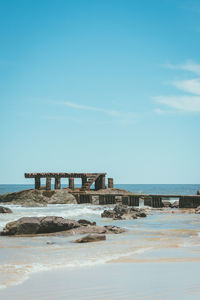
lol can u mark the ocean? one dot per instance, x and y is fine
(176, 189)
(163, 241)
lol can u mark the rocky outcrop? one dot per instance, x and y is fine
(39, 197)
(91, 238)
(37, 225)
(57, 225)
(5, 210)
(121, 212)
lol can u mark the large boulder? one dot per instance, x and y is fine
(41, 197)
(56, 226)
(37, 225)
(91, 238)
(5, 210)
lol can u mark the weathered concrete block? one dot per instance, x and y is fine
(85, 198)
(95, 199)
(125, 200)
(134, 200)
(189, 202)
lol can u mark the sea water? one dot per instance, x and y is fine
(176, 189)
(161, 237)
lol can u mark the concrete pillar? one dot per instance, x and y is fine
(48, 183)
(100, 183)
(110, 183)
(57, 183)
(84, 180)
(157, 202)
(96, 184)
(103, 182)
(37, 182)
(71, 183)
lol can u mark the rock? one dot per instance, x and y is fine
(107, 214)
(142, 214)
(198, 192)
(166, 203)
(5, 210)
(121, 212)
(86, 222)
(114, 229)
(56, 226)
(91, 238)
(197, 210)
(50, 243)
(37, 225)
(87, 230)
(175, 204)
(95, 199)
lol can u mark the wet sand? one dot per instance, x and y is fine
(125, 281)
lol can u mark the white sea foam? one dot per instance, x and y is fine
(20, 273)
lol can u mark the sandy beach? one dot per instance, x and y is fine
(156, 258)
(132, 281)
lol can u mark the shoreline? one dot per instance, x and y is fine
(112, 281)
(161, 239)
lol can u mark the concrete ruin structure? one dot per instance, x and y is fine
(88, 179)
(155, 201)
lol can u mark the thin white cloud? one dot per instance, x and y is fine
(189, 101)
(190, 86)
(190, 66)
(60, 118)
(181, 103)
(159, 111)
(90, 108)
(122, 117)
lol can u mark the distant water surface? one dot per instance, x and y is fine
(180, 189)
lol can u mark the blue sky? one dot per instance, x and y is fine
(100, 86)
